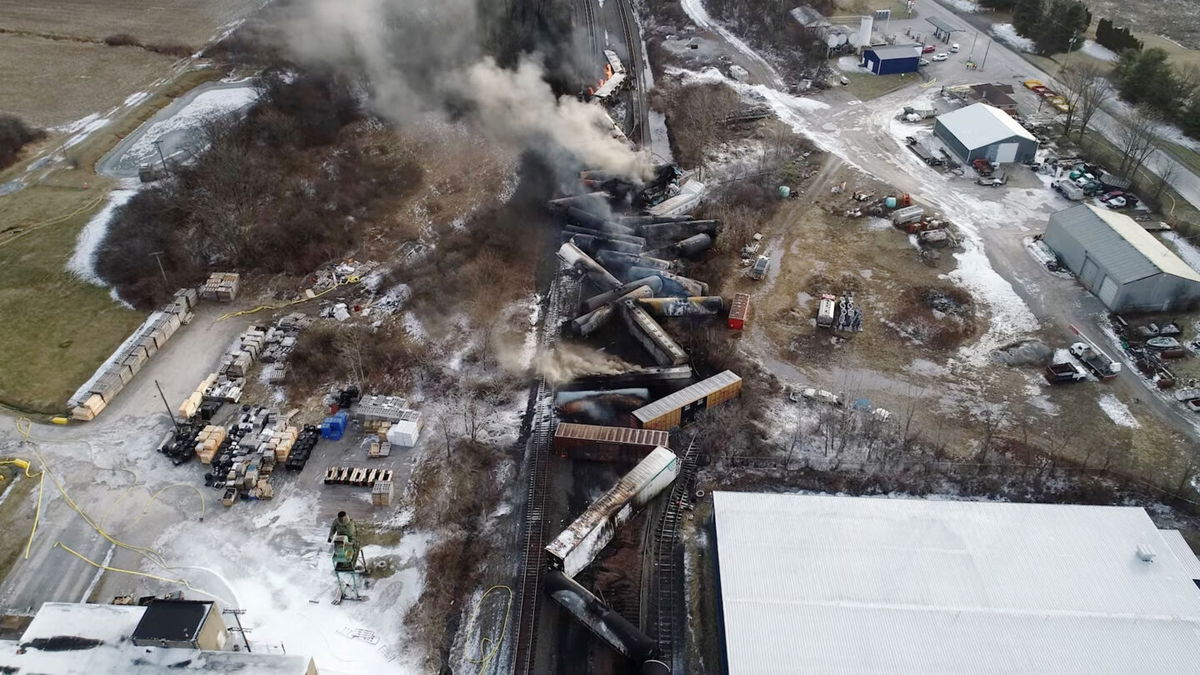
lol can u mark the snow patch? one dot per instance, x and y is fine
(136, 98)
(966, 6)
(96, 122)
(1005, 32)
(1184, 249)
(850, 64)
(207, 104)
(83, 261)
(1118, 412)
(1098, 51)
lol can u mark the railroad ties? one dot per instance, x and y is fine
(668, 619)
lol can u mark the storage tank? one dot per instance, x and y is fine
(692, 245)
(863, 37)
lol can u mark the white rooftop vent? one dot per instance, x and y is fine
(1145, 553)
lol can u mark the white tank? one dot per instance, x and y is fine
(863, 38)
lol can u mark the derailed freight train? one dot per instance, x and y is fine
(609, 626)
(575, 547)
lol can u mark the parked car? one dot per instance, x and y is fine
(1116, 203)
(928, 49)
(1193, 404)
(922, 62)
(1104, 198)
(954, 48)
(941, 56)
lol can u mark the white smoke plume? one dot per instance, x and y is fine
(566, 362)
(417, 55)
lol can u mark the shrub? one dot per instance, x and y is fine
(14, 134)
(122, 40)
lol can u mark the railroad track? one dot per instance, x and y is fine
(589, 15)
(641, 112)
(562, 292)
(666, 627)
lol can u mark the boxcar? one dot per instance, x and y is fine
(606, 444)
(682, 407)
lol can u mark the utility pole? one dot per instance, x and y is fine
(971, 57)
(158, 258)
(170, 414)
(158, 146)
(237, 617)
(985, 55)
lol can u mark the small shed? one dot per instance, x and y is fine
(981, 131)
(1118, 260)
(892, 60)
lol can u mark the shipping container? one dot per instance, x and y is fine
(739, 311)
(575, 547)
(607, 444)
(682, 407)
(645, 330)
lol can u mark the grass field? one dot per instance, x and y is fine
(16, 515)
(866, 86)
(57, 329)
(191, 22)
(53, 82)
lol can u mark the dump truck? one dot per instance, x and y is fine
(1069, 190)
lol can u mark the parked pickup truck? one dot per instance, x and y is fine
(1096, 361)
(1069, 190)
(1063, 373)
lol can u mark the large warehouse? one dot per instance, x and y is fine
(1119, 261)
(980, 131)
(820, 585)
(892, 60)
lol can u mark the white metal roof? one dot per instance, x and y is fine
(818, 584)
(979, 125)
(689, 394)
(111, 625)
(1123, 247)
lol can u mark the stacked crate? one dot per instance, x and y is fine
(221, 287)
(208, 441)
(188, 408)
(282, 442)
(382, 493)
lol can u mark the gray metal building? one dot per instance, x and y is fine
(981, 131)
(1120, 262)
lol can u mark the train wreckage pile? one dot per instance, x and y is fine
(633, 260)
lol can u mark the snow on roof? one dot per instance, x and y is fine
(112, 625)
(808, 17)
(979, 125)
(820, 584)
(1125, 250)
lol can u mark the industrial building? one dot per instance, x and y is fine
(165, 636)
(892, 60)
(1118, 260)
(820, 584)
(980, 131)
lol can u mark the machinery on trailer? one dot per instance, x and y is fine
(350, 569)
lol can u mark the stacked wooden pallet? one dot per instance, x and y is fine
(221, 286)
(281, 442)
(357, 476)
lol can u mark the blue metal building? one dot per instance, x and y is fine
(892, 60)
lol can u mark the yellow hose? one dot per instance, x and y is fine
(53, 221)
(284, 304)
(484, 661)
(106, 568)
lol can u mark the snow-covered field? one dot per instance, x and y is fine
(968, 6)
(699, 15)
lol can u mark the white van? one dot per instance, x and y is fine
(954, 48)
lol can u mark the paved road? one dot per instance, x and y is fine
(1002, 62)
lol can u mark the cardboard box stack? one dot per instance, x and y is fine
(208, 441)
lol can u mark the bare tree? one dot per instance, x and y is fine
(1094, 89)
(1135, 139)
(470, 409)
(1085, 88)
(1165, 176)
